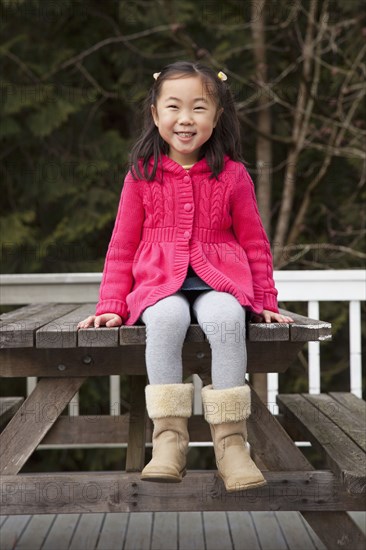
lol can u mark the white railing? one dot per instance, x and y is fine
(312, 287)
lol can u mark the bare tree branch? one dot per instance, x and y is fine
(285, 254)
(263, 145)
(106, 42)
(298, 137)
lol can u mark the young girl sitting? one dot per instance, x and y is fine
(188, 243)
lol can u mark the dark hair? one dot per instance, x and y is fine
(225, 138)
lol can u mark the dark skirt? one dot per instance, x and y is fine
(192, 287)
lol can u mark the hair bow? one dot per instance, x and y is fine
(222, 76)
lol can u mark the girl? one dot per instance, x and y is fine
(188, 243)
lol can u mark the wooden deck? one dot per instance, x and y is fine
(162, 531)
(159, 530)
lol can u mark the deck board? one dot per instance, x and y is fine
(61, 532)
(87, 532)
(139, 531)
(190, 536)
(217, 533)
(113, 532)
(269, 532)
(12, 530)
(35, 533)
(314, 537)
(291, 527)
(165, 531)
(242, 529)
(162, 530)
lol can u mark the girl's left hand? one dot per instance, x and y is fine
(271, 317)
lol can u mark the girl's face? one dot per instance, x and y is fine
(185, 115)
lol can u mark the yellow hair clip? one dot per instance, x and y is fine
(222, 76)
(156, 75)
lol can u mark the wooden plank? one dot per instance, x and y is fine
(2, 521)
(105, 429)
(312, 534)
(35, 532)
(135, 458)
(343, 456)
(278, 459)
(356, 405)
(8, 407)
(131, 361)
(139, 532)
(132, 335)
(99, 492)
(304, 329)
(87, 532)
(62, 332)
(259, 383)
(272, 356)
(190, 531)
(336, 530)
(12, 530)
(257, 332)
(294, 531)
(33, 420)
(271, 442)
(61, 532)
(113, 531)
(88, 430)
(268, 531)
(353, 426)
(360, 519)
(21, 313)
(102, 337)
(243, 531)
(216, 530)
(76, 362)
(20, 333)
(268, 332)
(164, 531)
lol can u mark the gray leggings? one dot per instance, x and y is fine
(222, 319)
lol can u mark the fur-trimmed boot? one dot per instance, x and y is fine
(169, 406)
(226, 412)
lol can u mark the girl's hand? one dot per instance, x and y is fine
(271, 317)
(107, 319)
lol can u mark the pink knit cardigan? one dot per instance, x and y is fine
(184, 217)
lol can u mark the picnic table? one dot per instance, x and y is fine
(42, 340)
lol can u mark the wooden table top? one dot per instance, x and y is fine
(45, 325)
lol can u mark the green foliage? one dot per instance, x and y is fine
(75, 75)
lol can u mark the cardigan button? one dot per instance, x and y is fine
(186, 234)
(186, 179)
(188, 207)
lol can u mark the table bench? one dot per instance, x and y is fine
(42, 340)
(335, 424)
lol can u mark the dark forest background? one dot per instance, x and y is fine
(74, 75)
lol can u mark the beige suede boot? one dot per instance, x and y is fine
(169, 406)
(226, 411)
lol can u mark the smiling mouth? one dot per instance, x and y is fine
(185, 134)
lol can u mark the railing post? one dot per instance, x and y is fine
(272, 385)
(314, 352)
(355, 347)
(115, 395)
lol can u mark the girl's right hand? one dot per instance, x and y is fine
(107, 319)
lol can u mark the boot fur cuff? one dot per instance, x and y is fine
(228, 405)
(163, 400)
